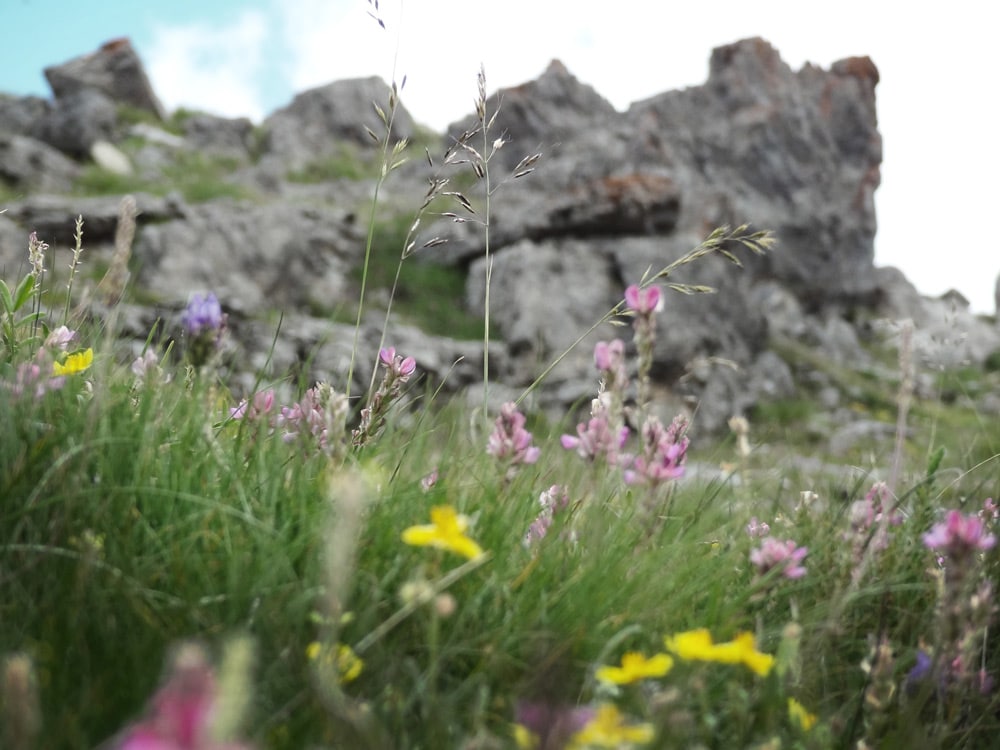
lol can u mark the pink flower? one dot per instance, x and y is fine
(959, 536)
(643, 301)
(509, 440)
(60, 338)
(262, 403)
(179, 716)
(758, 529)
(664, 452)
(596, 438)
(400, 368)
(774, 553)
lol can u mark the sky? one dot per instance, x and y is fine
(250, 57)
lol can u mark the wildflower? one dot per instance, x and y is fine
(664, 452)
(635, 667)
(609, 358)
(145, 365)
(74, 363)
(799, 716)
(321, 416)
(36, 257)
(203, 313)
(60, 338)
(349, 665)
(398, 372)
(28, 378)
(509, 441)
(920, 671)
(959, 536)
(552, 500)
(697, 645)
(261, 404)
(757, 529)
(643, 301)
(204, 324)
(774, 553)
(540, 726)
(607, 728)
(429, 481)
(180, 715)
(400, 368)
(445, 531)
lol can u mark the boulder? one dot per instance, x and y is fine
(231, 138)
(78, 121)
(18, 114)
(538, 116)
(28, 166)
(320, 121)
(258, 258)
(114, 70)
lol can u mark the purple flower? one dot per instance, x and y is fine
(552, 726)
(596, 438)
(60, 338)
(774, 553)
(202, 314)
(959, 536)
(643, 301)
(509, 441)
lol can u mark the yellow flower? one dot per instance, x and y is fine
(348, 663)
(445, 531)
(635, 667)
(697, 645)
(74, 363)
(607, 729)
(524, 738)
(799, 716)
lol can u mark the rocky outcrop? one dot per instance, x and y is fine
(613, 197)
(318, 122)
(114, 70)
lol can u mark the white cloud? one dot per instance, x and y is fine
(210, 68)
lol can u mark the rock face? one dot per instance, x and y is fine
(614, 197)
(114, 70)
(320, 120)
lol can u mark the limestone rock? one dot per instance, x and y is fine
(78, 121)
(29, 165)
(255, 258)
(18, 114)
(114, 70)
(320, 120)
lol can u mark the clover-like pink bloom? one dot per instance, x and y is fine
(664, 452)
(509, 440)
(774, 553)
(959, 536)
(400, 367)
(644, 301)
(262, 403)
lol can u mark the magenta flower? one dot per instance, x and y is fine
(958, 537)
(179, 716)
(509, 441)
(774, 553)
(643, 301)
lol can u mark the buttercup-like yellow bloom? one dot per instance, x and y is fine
(74, 363)
(635, 667)
(697, 645)
(799, 716)
(348, 663)
(608, 729)
(445, 531)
